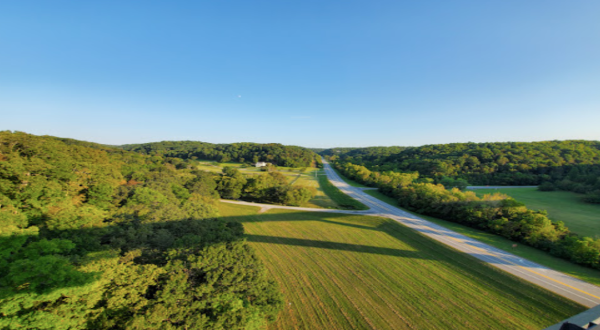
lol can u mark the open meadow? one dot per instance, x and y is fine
(340, 271)
(581, 218)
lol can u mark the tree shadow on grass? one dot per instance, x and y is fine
(310, 243)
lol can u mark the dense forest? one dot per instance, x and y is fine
(567, 165)
(95, 237)
(289, 156)
(495, 213)
(369, 156)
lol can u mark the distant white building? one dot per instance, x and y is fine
(260, 164)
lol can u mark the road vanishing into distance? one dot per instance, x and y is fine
(557, 282)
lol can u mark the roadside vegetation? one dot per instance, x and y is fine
(581, 218)
(344, 201)
(340, 271)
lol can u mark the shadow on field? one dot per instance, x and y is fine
(306, 216)
(360, 222)
(334, 246)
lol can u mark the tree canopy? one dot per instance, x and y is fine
(96, 237)
(290, 156)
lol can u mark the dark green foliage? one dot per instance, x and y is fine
(592, 197)
(569, 165)
(290, 156)
(496, 213)
(94, 237)
(370, 156)
(450, 183)
(547, 186)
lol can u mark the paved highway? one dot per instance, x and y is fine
(562, 284)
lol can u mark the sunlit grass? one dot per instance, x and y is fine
(341, 271)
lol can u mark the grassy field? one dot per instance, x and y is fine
(535, 255)
(343, 200)
(341, 271)
(581, 218)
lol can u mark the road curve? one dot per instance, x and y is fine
(562, 284)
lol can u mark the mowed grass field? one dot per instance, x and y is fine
(341, 271)
(301, 176)
(581, 218)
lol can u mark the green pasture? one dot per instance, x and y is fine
(340, 271)
(535, 255)
(581, 218)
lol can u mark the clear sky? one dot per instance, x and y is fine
(314, 73)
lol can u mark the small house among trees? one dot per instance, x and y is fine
(260, 164)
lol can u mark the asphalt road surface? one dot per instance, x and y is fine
(562, 284)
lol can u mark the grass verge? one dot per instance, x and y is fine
(343, 200)
(340, 271)
(348, 181)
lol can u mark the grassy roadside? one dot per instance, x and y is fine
(535, 255)
(343, 200)
(581, 218)
(341, 271)
(348, 181)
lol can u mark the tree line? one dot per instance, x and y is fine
(495, 213)
(567, 165)
(288, 156)
(96, 237)
(582, 179)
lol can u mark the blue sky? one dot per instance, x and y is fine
(310, 73)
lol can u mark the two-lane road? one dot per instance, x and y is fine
(562, 284)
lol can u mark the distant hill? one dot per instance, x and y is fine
(291, 156)
(364, 156)
(501, 163)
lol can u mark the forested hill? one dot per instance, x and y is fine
(277, 154)
(502, 163)
(94, 237)
(364, 156)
